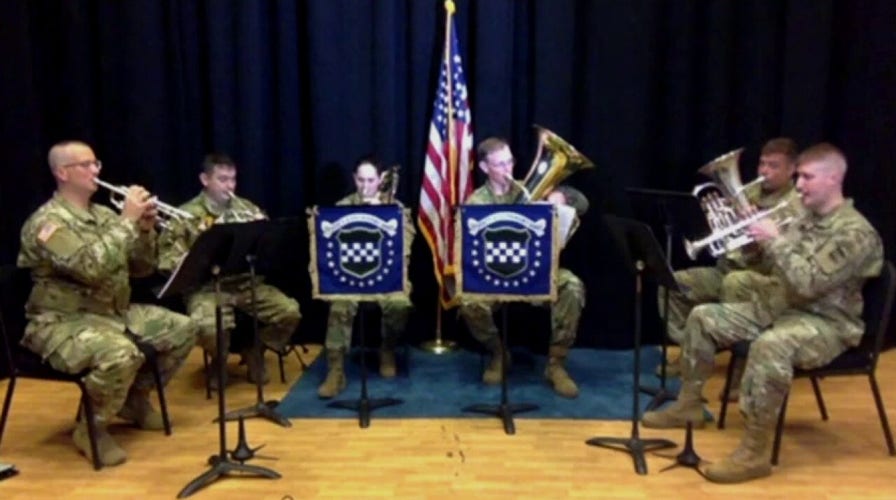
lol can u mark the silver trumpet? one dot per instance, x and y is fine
(729, 235)
(167, 212)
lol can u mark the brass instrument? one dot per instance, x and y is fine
(728, 211)
(554, 161)
(237, 211)
(167, 212)
(389, 185)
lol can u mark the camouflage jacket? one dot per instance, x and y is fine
(81, 260)
(485, 196)
(409, 229)
(750, 256)
(824, 261)
(176, 240)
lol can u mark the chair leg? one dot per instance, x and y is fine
(280, 365)
(819, 399)
(205, 374)
(723, 411)
(888, 436)
(160, 389)
(91, 427)
(779, 429)
(7, 401)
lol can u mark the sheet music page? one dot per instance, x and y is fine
(173, 275)
(568, 222)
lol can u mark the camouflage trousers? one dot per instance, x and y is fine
(781, 341)
(342, 316)
(565, 313)
(75, 342)
(702, 285)
(278, 313)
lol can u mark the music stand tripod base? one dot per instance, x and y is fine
(439, 346)
(222, 467)
(635, 446)
(266, 409)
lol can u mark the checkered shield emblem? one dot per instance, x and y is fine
(506, 251)
(360, 251)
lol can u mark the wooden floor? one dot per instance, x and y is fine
(843, 458)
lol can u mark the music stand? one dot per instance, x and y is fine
(364, 405)
(676, 210)
(643, 255)
(503, 410)
(204, 261)
(251, 240)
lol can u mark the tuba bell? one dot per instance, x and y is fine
(554, 161)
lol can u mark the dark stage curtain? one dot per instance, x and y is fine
(295, 91)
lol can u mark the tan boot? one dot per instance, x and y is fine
(687, 408)
(492, 373)
(335, 381)
(255, 366)
(139, 410)
(108, 450)
(736, 376)
(750, 460)
(557, 375)
(387, 363)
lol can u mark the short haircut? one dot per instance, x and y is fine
(781, 145)
(56, 151)
(824, 152)
(368, 160)
(489, 146)
(213, 160)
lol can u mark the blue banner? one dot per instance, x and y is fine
(508, 252)
(358, 252)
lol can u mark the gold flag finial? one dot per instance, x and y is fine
(449, 6)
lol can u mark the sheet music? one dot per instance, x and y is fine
(161, 293)
(569, 221)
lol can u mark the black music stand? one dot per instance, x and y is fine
(643, 255)
(364, 405)
(212, 250)
(676, 210)
(253, 238)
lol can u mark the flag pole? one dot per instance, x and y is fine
(439, 345)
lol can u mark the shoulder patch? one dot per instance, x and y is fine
(47, 231)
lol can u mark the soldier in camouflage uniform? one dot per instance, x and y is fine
(822, 262)
(726, 281)
(496, 160)
(371, 190)
(81, 256)
(279, 314)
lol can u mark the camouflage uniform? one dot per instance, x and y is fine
(279, 313)
(822, 262)
(80, 306)
(565, 311)
(727, 280)
(342, 312)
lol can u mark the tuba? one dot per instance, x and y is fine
(554, 161)
(727, 209)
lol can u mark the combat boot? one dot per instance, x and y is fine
(736, 375)
(335, 381)
(255, 366)
(108, 450)
(139, 410)
(750, 460)
(492, 373)
(387, 362)
(687, 408)
(556, 374)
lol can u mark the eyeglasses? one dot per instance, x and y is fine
(85, 164)
(505, 163)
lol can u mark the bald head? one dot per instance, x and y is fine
(62, 153)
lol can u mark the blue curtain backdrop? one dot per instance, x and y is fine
(295, 91)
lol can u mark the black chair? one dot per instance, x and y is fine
(15, 286)
(860, 360)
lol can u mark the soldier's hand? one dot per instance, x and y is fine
(149, 218)
(764, 230)
(136, 203)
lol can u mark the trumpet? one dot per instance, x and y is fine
(169, 212)
(732, 236)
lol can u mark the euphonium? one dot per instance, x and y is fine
(168, 212)
(728, 211)
(554, 161)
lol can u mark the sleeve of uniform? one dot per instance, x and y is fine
(850, 251)
(175, 242)
(144, 253)
(85, 257)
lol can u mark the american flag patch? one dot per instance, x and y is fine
(47, 231)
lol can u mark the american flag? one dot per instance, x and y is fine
(446, 170)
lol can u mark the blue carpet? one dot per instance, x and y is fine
(441, 385)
